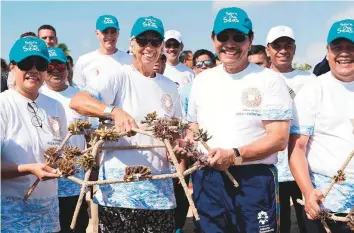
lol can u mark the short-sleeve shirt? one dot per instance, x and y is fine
(232, 107)
(322, 110)
(180, 74)
(138, 95)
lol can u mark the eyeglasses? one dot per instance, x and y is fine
(61, 67)
(207, 63)
(238, 38)
(37, 119)
(154, 41)
(172, 45)
(28, 63)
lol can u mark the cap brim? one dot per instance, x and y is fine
(58, 59)
(272, 40)
(224, 27)
(109, 26)
(34, 55)
(346, 36)
(151, 29)
(169, 38)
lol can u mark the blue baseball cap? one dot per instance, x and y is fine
(106, 21)
(27, 47)
(232, 18)
(341, 29)
(57, 54)
(149, 23)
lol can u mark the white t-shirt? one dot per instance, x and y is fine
(138, 95)
(180, 74)
(323, 110)
(23, 142)
(66, 187)
(232, 107)
(89, 66)
(295, 80)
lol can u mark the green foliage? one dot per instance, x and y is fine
(304, 66)
(64, 47)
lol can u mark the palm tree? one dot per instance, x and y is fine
(64, 47)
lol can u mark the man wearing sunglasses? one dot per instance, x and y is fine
(322, 134)
(247, 110)
(175, 70)
(56, 87)
(281, 50)
(127, 91)
(89, 66)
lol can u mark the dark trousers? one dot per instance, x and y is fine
(67, 207)
(287, 190)
(335, 227)
(181, 210)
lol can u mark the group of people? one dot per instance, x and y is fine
(282, 133)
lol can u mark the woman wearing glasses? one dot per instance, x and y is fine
(127, 92)
(29, 124)
(56, 88)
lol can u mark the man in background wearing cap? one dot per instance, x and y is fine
(281, 50)
(247, 110)
(175, 70)
(68, 192)
(89, 66)
(136, 90)
(322, 132)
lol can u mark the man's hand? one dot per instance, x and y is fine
(123, 121)
(312, 201)
(42, 171)
(221, 159)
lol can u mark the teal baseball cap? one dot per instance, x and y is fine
(232, 18)
(27, 47)
(57, 54)
(149, 23)
(106, 21)
(341, 29)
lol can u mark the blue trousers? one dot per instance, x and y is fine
(250, 208)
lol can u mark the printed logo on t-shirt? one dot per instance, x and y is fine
(54, 126)
(167, 102)
(251, 97)
(291, 92)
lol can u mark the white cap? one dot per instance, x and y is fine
(279, 31)
(173, 34)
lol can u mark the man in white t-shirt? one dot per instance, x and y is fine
(281, 50)
(89, 66)
(128, 93)
(175, 70)
(247, 110)
(56, 88)
(322, 131)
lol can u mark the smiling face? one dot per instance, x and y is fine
(172, 50)
(29, 75)
(57, 76)
(281, 52)
(341, 59)
(229, 51)
(108, 38)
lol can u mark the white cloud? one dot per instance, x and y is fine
(348, 13)
(217, 4)
(315, 52)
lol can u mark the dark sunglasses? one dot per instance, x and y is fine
(207, 63)
(61, 67)
(223, 37)
(36, 118)
(28, 63)
(172, 45)
(143, 41)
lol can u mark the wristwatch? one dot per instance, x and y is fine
(236, 159)
(108, 110)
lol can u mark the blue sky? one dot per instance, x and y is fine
(75, 21)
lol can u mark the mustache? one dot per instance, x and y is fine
(237, 50)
